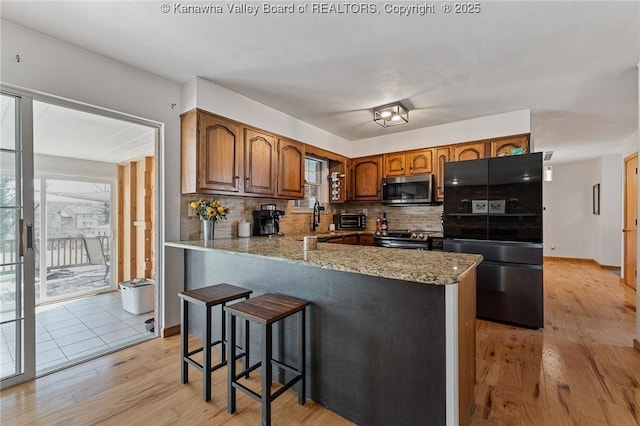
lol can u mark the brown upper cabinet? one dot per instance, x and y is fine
(211, 153)
(408, 163)
(260, 162)
(503, 146)
(420, 162)
(441, 155)
(469, 151)
(395, 164)
(366, 173)
(221, 156)
(290, 168)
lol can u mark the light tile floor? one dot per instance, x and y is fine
(73, 331)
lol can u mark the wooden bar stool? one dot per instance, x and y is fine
(265, 310)
(208, 297)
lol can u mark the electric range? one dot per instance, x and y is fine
(408, 239)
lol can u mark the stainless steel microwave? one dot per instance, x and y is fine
(350, 221)
(407, 190)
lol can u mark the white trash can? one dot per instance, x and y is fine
(138, 295)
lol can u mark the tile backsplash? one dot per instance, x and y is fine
(415, 217)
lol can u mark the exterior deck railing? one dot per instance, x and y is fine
(60, 252)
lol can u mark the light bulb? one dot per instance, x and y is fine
(385, 114)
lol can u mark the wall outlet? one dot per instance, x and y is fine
(364, 212)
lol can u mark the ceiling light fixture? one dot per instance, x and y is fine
(391, 114)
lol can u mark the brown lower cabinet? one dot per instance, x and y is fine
(357, 239)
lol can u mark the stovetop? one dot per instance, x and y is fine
(405, 234)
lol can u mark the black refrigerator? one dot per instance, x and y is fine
(494, 207)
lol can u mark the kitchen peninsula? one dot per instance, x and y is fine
(391, 332)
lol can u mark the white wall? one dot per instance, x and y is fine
(59, 69)
(509, 123)
(221, 101)
(569, 224)
(608, 246)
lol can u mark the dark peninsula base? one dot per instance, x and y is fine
(379, 351)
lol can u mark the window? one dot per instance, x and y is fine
(315, 187)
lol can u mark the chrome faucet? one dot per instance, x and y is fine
(316, 216)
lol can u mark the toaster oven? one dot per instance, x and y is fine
(350, 221)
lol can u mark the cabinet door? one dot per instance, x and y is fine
(260, 163)
(420, 162)
(441, 155)
(219, 154)
(290, 169)
(504, 146)
(365, 240)
(394, 164)
(366, 175)
(350, 239)
(471, 151)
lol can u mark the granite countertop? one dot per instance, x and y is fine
(426, 267)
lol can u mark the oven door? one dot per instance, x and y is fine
(403, 244)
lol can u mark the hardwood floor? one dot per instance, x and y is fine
(581, 369)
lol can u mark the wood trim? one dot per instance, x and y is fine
(170, 331)
(466, 345)
(636, 344)
(323, 153)
(570, 259)
(583, 260)
(609, 267)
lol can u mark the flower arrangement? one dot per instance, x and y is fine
(210, 210)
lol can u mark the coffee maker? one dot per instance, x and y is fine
(266, 221)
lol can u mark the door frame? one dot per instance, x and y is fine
(624, 219)
(26, 333)
(27, 131)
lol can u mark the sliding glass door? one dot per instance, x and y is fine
(74, 218)
(17, 254)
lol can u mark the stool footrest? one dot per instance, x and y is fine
(277, 393)
(286, 386)
(285, 366)
(248, 391)
(247, 370)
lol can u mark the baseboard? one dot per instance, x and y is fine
(580, 260)
(609, 267)
(570, 259)
(171, 331)
(636, 344)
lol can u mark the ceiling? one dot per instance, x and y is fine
(66, 132)
(574, 64)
